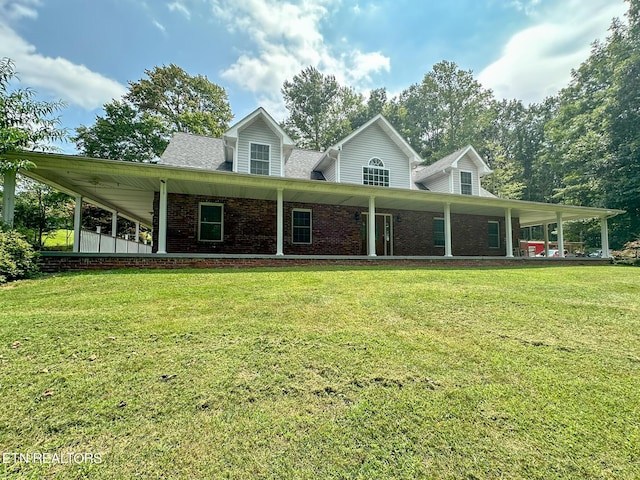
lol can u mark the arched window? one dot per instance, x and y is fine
(375, 173)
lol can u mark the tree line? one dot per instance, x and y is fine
(580, 146)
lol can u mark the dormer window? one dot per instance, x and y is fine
(375, 173)
(259, 159)
(466, 183)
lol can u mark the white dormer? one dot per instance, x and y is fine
(458, 173)
(258, 145)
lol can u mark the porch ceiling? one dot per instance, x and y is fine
(128, 188)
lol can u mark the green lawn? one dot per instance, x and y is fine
(326, 373)
(59, 238)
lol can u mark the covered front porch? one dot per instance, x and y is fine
(140, 193)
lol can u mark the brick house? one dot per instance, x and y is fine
(253, 192)
(434, 210)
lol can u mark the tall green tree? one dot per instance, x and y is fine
(321, 110)
(593, 144)
(138, 126)
(25, 123)
(377, 103)
(40, 211)
(185, 103)
(513, 145)
(123, 133)
(447, 110)
(621, 174)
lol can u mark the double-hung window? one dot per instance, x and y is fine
(494, 235)
(438, 232)
(301, 226)
(259, 159)
(375, 173)
(466, 183)
(210, 222)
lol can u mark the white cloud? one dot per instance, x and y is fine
(180, 7)
(287, 38)
(16, 9)
(527, 6)
(537, 61)
(73, 83)
(159, 26)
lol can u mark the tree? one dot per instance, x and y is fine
(376, 104)
(41, 210)
(124, 133)
(446, 111)
(138, 127)
(25, 123)
(512, 145)
(621, 174)
(320, 109)
(593, 143)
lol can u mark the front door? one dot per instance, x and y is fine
(384, 234)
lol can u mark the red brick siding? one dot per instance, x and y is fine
(51, 263)
(250, 228)
(335, 231)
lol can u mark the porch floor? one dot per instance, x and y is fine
(51, 262)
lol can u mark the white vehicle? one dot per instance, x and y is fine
(552, 253)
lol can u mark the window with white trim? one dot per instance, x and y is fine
(375, 173)
(466, 183)
(259, 159)
(210, 222)
(438, 232)
(301, 226)
(494, 234)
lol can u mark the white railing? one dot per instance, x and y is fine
(94, 242)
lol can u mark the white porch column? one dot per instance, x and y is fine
(162, 218)
(114, 224)
(508, 233)
(9, 197)
(280, 224)
(545, 228)
(137, 232)
(77, 224)
(447, 230)
(604, 235)
(371, 234)
(560, 236)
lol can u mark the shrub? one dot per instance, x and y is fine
(17, 257)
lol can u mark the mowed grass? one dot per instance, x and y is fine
(59, 238)
(324, 373)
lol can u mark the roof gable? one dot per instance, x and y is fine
(451, 161)
(386, 127)
(268, 119)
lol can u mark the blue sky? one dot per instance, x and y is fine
(85, 52)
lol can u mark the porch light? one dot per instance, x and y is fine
(356, 216)
(398, 218)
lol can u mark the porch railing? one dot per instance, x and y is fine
(94, 242)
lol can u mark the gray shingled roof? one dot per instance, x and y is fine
(195, 151)
(301, 163)
(421, 173)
